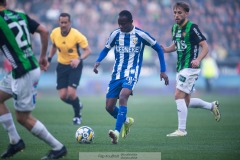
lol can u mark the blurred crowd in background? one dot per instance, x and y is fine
(219, 20)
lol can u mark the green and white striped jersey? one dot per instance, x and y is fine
(186, 40)
(15, 42)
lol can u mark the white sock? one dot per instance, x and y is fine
(182, 114)
(40, 131)
(9, 126)
(127, 120)
(198, 103)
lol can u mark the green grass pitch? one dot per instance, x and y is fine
(155, 116)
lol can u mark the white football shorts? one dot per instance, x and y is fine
(186, 79)
(23, 89)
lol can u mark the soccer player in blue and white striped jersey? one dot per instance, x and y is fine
(128, 42)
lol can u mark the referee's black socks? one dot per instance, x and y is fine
(76, 106)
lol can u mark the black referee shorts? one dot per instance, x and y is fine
(68, 76)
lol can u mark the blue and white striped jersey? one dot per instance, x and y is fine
(128, 51)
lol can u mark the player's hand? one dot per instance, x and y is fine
(195, 63)
(43, 63)
(165, 77)
(75, 62)
(95, 70)
(163, 48)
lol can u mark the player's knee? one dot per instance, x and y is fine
(109, 108)
(178, 96)
(123, 100)
(22, 120)
(72, 97)
(4, 97)
(63, 98)
(25, 119)
(2, 101)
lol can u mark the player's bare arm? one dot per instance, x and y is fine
(53, 50)
(86, 53)
(44, 41)
(165, 77)
(204, 52)
(169, 49)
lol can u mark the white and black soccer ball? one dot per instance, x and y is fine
(84, 135)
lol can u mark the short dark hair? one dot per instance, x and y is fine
(2, 2)
(183, 5)
(126, 14)
(65, 15)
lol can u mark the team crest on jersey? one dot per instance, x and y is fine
(135, 40)
(178, 34)
(121, 42)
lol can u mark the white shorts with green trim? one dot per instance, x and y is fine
(186, 79)
(23, 89)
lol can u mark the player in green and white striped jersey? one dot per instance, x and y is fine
(21, 83)
(187, 38)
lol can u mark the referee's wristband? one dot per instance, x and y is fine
(49, 59)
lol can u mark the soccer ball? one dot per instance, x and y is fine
(84, 135)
